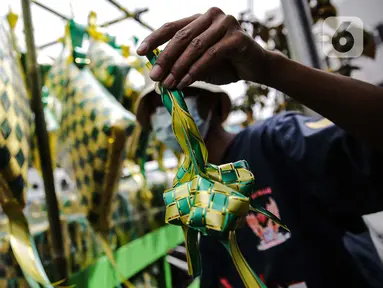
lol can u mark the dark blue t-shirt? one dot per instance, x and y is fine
(320, 181)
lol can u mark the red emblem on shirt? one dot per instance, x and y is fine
(268, 231)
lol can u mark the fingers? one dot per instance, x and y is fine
(179, 43)
(176, 46)
(163, 34)
(197, 44)
(210, 58)
(194, 50)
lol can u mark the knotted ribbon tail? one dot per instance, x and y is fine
(192, 251)
(24, 249)
(109, 254)
(249, 278)
(269, 215)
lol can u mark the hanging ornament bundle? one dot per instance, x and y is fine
(205, 198)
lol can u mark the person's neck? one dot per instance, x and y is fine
(217, 142)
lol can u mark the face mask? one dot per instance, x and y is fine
(162, 124)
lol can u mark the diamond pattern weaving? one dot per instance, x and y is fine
(15, 124)
(94, 129)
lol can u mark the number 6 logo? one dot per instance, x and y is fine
(346, 38)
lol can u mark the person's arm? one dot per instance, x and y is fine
(353, 105)
(214, 48)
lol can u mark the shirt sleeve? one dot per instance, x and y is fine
(340, 170)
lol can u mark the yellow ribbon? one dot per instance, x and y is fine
(242, 266)
(12, 199)
(22, 243)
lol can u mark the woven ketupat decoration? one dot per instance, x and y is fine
(109, 67)
(113, 65)
(206, 198)
(93, 134)
(15, 123)
(94, 129)
(15, 152)
(122, 76)
(84, 249)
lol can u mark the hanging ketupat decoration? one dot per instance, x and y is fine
(94, 129)
(15, 143)
(206, 198)
(93, 133)
(51, 122)
(113, 65)
(108, 66)
(120, 75)
(15, 121)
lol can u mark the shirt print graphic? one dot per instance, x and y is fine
(269, 232)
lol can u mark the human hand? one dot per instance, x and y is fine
(211, 47)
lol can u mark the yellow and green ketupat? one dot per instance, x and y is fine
(205, 198)
(15, 124)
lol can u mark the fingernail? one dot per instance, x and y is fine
(185, 82)
(169, 81)
(156, 72)
(142, 49)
